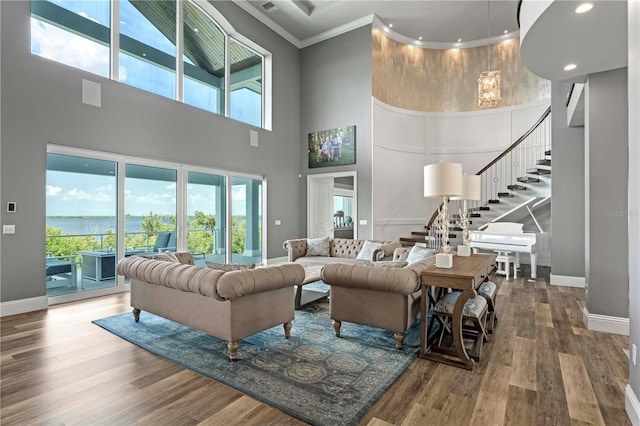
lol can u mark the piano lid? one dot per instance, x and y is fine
(504, 228)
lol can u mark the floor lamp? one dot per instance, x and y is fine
(443, 180)
(471, 191)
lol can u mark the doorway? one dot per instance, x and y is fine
(332, 205)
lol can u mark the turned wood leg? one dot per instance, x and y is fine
(287, 329)
(233, 350)
(336, 327)
(399, 339)
(136, 314)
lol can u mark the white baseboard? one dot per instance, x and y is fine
(15, 307)
(567, 281)
(632, 406)
(608, 324)
(276, 260)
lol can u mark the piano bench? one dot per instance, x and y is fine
(504, 260)
(488, 290)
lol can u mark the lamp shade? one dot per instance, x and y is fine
(443, 180)
(471, 188)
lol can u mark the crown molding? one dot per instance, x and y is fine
(361, 22)
(244, 5)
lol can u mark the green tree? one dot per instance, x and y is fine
(205, 221)
(152, 224)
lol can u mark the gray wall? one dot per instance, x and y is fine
(606, 178)
(41, 102)
(567, 189)
(634, 190)
(336, 92)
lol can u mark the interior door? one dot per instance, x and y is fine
(319, 206)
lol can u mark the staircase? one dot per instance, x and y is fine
(516, 181)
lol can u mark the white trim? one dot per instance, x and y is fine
(567, 281)
(437, 44)
(632, 405)
(20, 306)
(334, 32)
(605, 323)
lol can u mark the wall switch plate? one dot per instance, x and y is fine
(8, 229)
(363, 221)
(277, 222)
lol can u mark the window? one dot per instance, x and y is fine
(75, 33)
(78, 33)
(147, 45)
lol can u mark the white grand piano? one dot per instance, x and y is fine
(506, 237)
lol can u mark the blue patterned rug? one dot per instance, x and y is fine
(314, 376)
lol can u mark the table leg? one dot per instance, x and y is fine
(423, 321)
(458, 342)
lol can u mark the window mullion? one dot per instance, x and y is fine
(227, 76)
(179, 51)
(115, 41)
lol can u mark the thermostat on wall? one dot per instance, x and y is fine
(11, 206)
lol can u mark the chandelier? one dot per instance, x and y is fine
(489, 81)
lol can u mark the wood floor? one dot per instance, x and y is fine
(541, 367)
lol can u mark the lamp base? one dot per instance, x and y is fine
(444, 260)
(463, 251)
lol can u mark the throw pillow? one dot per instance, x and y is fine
(366, 253)
(387, 264)
(230, 266)
(418, 253)
(171, 255)
(318, 247)
(389, 248)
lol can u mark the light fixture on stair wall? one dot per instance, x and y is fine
(489, 95)
(471, 191)
(443, 180)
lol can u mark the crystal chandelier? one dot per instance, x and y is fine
(489, 81)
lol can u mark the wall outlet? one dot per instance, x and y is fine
(8, 229)
(633, 353)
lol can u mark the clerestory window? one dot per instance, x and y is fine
(201, 62)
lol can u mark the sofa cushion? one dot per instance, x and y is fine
(387, 263)
(418, 253)
(367, 250)
(230, 266)
(318, 246)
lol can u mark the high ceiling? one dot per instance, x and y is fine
(304, 22)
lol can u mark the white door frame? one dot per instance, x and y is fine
(312, 180)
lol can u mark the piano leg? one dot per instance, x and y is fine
(534, 265)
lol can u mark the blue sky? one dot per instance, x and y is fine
(72, 194)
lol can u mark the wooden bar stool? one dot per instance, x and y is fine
(474, 315)
(488, 290)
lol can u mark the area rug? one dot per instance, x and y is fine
(313, 376)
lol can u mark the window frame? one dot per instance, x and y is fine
(220, 21)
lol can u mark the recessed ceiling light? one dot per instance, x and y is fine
(570, 67)
(390, 25)
(459, 40)
(506, 31)
(585, 7)
(420, 38)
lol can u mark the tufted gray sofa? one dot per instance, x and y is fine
(341, 250)
(228, 305)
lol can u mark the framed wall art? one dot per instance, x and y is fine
(333, 147)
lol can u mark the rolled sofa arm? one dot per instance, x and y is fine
(295, 248)
(236, 284)
(393, 280)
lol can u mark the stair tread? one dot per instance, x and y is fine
(494, 201)
(484, 208)
(505, 194)
(537, 171)
(545, 162)
(517, 187)
(528, 179)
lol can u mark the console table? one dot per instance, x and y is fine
(466, 274)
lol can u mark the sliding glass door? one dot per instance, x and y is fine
(207, 217)
(246, 220)
(103, 207)
(81, 224)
